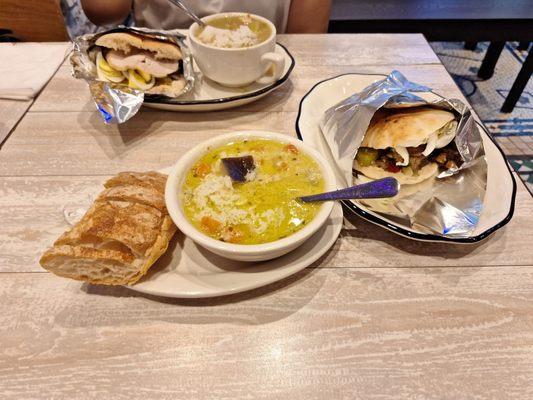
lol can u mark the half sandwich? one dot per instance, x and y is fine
(410, 145)
(140, 62)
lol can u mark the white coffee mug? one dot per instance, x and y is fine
(236, 67)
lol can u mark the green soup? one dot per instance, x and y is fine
(262, 209)
(234, 31)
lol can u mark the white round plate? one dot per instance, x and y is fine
(501, 188)
(210, 96)
(187, 270)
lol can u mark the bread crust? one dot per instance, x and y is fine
(405, 128)
(168, 87)
(120, 237)
(150, 179)
(127, 42)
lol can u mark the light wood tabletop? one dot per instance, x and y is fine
(378, 316)
(11, 111)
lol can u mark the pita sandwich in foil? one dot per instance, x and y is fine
(433, 148)
(124, 66)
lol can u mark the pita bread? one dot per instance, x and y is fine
(373, 172)
(405, 128)
(168, 87)
(396, 205)
(127, 42)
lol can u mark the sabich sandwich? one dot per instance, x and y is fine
(140, 62)
(410, 145)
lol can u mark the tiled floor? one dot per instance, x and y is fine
(513, 131)
(524, 166)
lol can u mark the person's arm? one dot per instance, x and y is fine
(308, 16)
(104, 12)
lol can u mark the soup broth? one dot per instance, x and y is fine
(262, 209)
(234, 31)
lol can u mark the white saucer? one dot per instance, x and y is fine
(187, 270)
(501, 188)
(210, 96)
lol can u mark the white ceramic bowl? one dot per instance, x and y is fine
(236, 67)
(256, 252)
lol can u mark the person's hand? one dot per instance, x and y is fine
(105, 12)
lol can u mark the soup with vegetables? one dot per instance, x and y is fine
(234, 31)
(246, 192)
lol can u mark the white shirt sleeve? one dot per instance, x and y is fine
(161, 14)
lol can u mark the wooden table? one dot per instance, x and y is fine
(379, 316)
(11, 112)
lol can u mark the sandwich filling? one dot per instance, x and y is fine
(139, 69)
(438, 148)
(140, 62)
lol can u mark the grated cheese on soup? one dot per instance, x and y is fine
(262, 209)
(240, 37)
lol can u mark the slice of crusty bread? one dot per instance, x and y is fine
(135, 194)
(123, 233)
(126, 42)
(100, 266)
(132, 225)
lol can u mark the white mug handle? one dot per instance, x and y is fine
(275, 59)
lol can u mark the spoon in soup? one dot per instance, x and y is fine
(188, 11)
(241, 168)
(378, 189)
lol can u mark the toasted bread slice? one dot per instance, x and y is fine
(119, 238)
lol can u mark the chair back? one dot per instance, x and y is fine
(33, 20)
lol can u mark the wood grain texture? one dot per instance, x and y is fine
(428, 333)
(80, 144)
(317, 57)
(65, 93)
(11, 111)
(362, 49)
(43, 201)
(378, 317)
(154, 139)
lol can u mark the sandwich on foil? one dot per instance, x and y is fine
(409, 144)
(140, 62)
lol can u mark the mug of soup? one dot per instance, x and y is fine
(236, 49)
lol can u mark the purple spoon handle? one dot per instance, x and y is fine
(386, 187)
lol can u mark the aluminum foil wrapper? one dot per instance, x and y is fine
(117, 102)
(449, 204)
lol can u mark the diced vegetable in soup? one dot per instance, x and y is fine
(261, 209)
